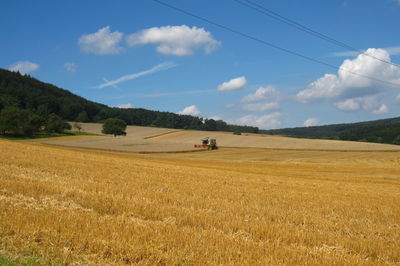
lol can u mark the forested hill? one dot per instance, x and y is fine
(28, 93)
(383, 131)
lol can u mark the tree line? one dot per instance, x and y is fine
(380, 131)
(44, 99)
(20, 122)
(388, 134)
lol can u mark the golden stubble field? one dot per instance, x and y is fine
(230, 206)
(151, 139)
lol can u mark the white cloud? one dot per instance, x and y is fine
(125, 106)
(263, 99)
(233, 84)
(24, 67)
(366, 103)
(381, 110)
(175, 40)
(398, 98)
(325, 87)
(70, 67)
(261, 107)
(311, 122)
(101, 42)
(190, 110)
(348, 105)
(393, 50)
(347, 85)
(157, 68)
(215, 118)
(267, 121)
(262, 94)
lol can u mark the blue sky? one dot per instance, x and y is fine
(145, 55)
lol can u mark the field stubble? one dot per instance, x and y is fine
(151, 139)
(231, 206)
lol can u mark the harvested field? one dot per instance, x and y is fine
(230, 206)
(138, 139)
(136, 131)
(150, 139)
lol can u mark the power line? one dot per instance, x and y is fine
(268, 12)
(270, 44)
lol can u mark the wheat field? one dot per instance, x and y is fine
(151, 139)
(230, 206)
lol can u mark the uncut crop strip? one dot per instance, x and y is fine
(167, 135)
(95, 207)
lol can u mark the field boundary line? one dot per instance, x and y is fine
(164, 134)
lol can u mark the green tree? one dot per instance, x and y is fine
(210, 124)
(114, 126)
(6, 101)
(55, 124)
(18, 122)
(43, 111)
(397, 140)
(82, 117)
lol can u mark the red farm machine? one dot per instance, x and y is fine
(207, 143)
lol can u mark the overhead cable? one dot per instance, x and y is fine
(245, 35)
(272, 14)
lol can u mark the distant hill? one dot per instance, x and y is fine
(25, 92)
(382, 131)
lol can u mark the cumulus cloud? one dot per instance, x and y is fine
(346, 85)
(24, 67)
(262, 94)
(366, 103)
(233, 84)
(383, 109)
(125, 106)
(102, 42)
(157, 68)
(348, 105)
(70, 67)
(175, 40)
(267, 121)
(190, 110)
(263, 99)
(393, 50)
(311, 122)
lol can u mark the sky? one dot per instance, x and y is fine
(141, 54)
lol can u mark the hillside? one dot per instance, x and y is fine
(383, 131)
(25, 92)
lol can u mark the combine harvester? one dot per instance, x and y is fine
(207, 143)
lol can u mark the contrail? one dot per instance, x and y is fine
(157, 68)
(113, 85)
